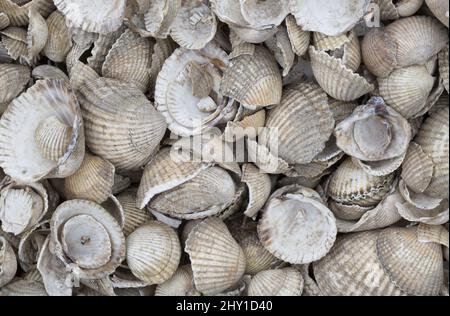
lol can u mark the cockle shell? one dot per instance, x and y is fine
(74, 55)
(251, 35)
(18, 13)
(247, 126)
(153, 252)
(296, 226)
(8, 263)
(48, 72)
(31, 244)
(20, 155)
(229, 12)
(298, 37)
(80, 74)
(129, 143)
(14, 40)
(280, 46)
(87, 239)
(162, 49)
(440, 9)
(432, 215)
(417, 168)
(4, 21)
(58, 42)
(37, 34)
(217, 260)
(13, 79)
(134, 217)
(443, 67)
(259, 187)
(102, 16)
(20, 287)
(253, 80)
(160, 16)
(282, 282)
(180, 284)
(264, 14)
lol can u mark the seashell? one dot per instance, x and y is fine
(261, 156)
(8, 263)
(336, 79)
(440, 10)
(194, 26)
(124, 278)
(37, 34)
(153, 252)
(102, 16)
(419, 200)
(163, 173)
(260, 15)
(259, 187)
(134, 217)
(48, 72)
(87, 239)
(92, 181)
(58, 43)
(4, 20)
(129, 60)
(323, 42)
(217, 260)
(103, 286)
(298, 37)
(379, 52)
(417, 168)
(435, 216)
(229, 12)
(433, 138)
(80, 74)
(209, 193)
(20, 287)
(22, 205)
(30, 246)
(348, 212)
(400, 253)
(52, 138)
(129, 143)
(388, 10)
(5, 57)
(351, 185)
(329, 18)
(296, 226)
(351, 53)
(162, 49)
(74, 55)
(352, 268)
(27, 163)
(280, 46)
(341, 109)
(253, 80)
(251, 35)
(82, 38)
(13, 79)
(18, 12)
(15, 42)
(121, 183)
(180, 284)
(443, 67)
(433, 233)
(407, 8)
(283, 282)
(247, 126)
(160, 16)
(373, 132)
(303, 115)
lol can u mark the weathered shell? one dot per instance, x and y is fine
(413, 266)
(58, 43)
(341, 109)
(20, 155)
(4, 21)
(440, 9)
(20, 287)
(153, 252)
(31, 244)
(437, 215)
(37, 34)
(247, 126)
(8, 263)
(75, 54)
(14, 40)
(280, 46)
(443, 67)
(87, 239)
(134, 217)
(264, 14)
(180, 284)
(129, 143)
(52, 138)
(251, 35)
(298, 37)
(102, 16)
(296, 226)
(282, 282)
(162, 49)
(228, 11)
(253, 80)
(417, 168)
(160, 16)
(48, 72)
(217, 260)
(18, 13)
(13, 79)
(259, 187)
(80, 74)
(129, 60)
(261, 156)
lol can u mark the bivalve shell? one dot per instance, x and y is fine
(180, 284)
(282, 282)
(440, 9)
(58, 43)
(8, 262)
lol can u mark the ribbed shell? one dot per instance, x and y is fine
(417, 168)
(352, 53)
(440, 9)
(436, 216)
(52, 138)
(257, 258)
(283, 282)
(263, 14)
(160, 16)
(280, 46)
(48, 72)
(336, 79)
(15, 43)
(37, 34)
(4, 21)
(253, 80)
(340, 109)
(433, 233)
(102, 46)
(100, 16)
(20, 287)
(323, 42)
(162, 49)
(299, 38)
(129, 60)
(262, 157)
(180, 284)
(59, 41)
(153, 252)
(13, 79)
(247, 126)
(134, 217)
(378, 52)
(18, 14)
(388, 11)
(347, 212)
(217, 260)
(120, 122)
(350, 184)
(80, 74)
(300, 126)
(413, 266)
(352, 268)
(259, 187)
(8, 263)
(443, 67)
(92, 181)
(433, 137)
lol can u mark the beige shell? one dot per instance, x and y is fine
(20, 287)
(217, 260)
(153, 252)
(37, 34)
(299, 127)
(378, 52)
(129, 143)
(102, 16)
(18, 13)
(323, 42)
(260, 15)
(259, 187)
(160, 16)
(253, 80)
(58, 43)
(352, 268)
(413, 266)
(299, 38)
(280, 46)
(443, 67)
(4, 21)
(228, 12)
(339, 81)
(180, 284)
(340, 109)
(8, 263)
(437, 215)
(283, 282)
(433, 233)
(296, 226)
(388, 11)
(251, 35)
(418, 200)
(134, 217)
(162, 49)
(80, 74)
(14, 40)
(52, 138)
(261, 156)
(74, 55)
(48, 72)
(348, 212)
(247, 126)
(20, 155)
(433, 138)
(417, 168)
(209, 193)
(13, 79)
(129, 60)
(87, 239)
(440, 9)
(31, 244)
(163, 173)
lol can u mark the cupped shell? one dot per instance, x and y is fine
(443, 67)
(264, 14)
(13, 79)
(282, 282)
(440, 9)
(17, 11)
(259, 187)
(134, 217)
(58, 42)
(299, 38)
(8, 262)
(180, 284)
(37, 34)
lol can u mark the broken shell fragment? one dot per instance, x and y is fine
(180, 284)
(8, 263)
(17, 11)
(282, 282)
(134, 217)
(440, 9)
(259, 187)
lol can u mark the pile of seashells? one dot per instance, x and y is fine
(335, 113)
